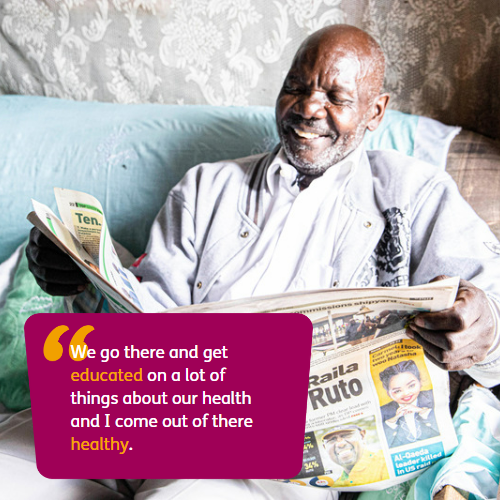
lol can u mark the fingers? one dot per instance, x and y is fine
(454, 350)
(450, 360)
(57, 276)
(39, 239)
(458, 337)
(449, 340)
(464, 312)
(60, 290)
(44, 253)
(441, 277)
(57, 282)
(54, 271)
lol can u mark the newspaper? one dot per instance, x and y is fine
(377, 410)
(84, 235)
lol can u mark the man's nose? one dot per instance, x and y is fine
(340, 442)
(312, 106)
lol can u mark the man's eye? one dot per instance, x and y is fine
(338, 102)
(292, 89)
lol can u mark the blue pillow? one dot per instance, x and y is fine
(130, 156)
(417, 136)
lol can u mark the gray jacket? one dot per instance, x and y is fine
(403, 222)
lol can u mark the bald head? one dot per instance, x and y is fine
(346, 39)
(331, 95)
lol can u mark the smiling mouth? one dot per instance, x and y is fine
(306, 135)
(408, 398)
(345, 458)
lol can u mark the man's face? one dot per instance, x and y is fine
(346, 447)
(324, 106)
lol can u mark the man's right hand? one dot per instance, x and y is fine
(54, 271)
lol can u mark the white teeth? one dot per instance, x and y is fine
(306, 135)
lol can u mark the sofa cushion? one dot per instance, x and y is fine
(130, 156)
(474, 162)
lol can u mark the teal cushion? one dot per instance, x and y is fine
(127, 156)
(130, 156)
(25, 298)
(397, 131)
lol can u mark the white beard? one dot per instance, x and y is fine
(329, 156)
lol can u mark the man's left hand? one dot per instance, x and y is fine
(459, 337)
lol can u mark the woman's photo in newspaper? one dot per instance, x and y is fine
(409, 417)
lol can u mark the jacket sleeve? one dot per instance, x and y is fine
(449, 238)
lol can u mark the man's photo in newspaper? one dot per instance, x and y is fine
(406, 396)
(352, 450)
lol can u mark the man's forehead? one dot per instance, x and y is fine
(332, 62)
(340, 49)
(340, 38)
(343, 434)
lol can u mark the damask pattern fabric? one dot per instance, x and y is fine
(444, 57)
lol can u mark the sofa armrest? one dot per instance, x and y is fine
(474, 162)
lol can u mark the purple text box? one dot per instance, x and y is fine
(254, 429)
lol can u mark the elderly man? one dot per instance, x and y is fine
(319, 212)
(345, 445)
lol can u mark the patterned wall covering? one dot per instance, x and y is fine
(444, 55)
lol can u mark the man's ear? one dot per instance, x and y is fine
(378, 110)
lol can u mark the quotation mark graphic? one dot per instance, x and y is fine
(78, 350)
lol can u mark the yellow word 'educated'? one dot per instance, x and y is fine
(119, 376)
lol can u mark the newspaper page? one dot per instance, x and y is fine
(82, 214)
(377, 411)
(84, 235)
